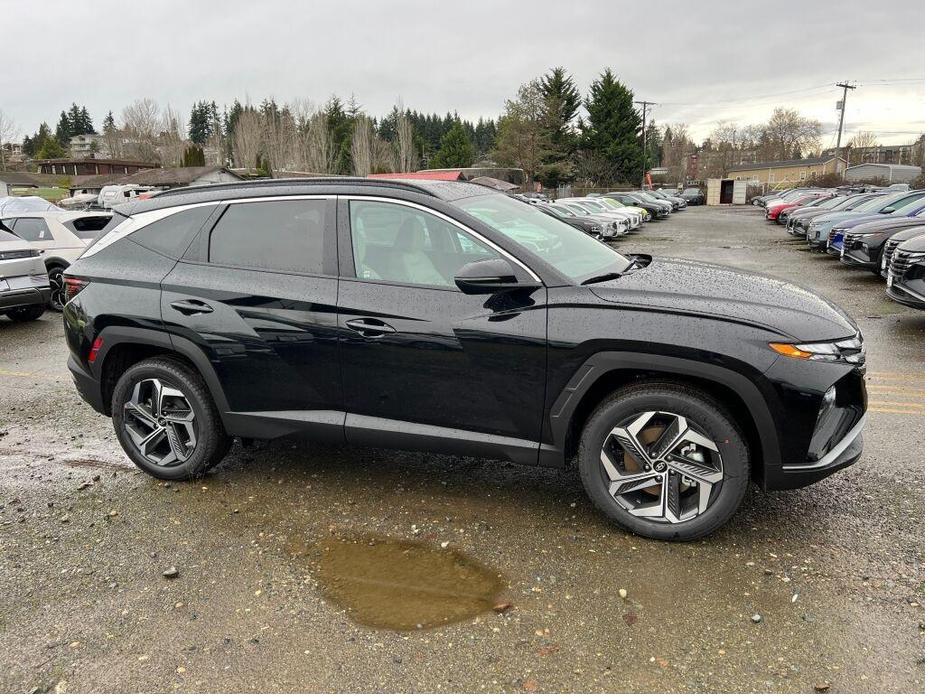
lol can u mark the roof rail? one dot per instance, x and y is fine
(307, 182)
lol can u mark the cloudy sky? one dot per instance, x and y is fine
(700, 62)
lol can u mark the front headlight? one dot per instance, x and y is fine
(850, 351)
(596, 228)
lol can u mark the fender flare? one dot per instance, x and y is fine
(597, 366)
(120, 335)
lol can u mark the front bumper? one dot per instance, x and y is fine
(901, 292)
(844, 453)
(856, 257)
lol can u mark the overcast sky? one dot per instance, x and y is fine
(700, 61)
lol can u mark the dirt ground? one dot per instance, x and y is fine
(490, 576)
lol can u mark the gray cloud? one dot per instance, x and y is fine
(701, 62)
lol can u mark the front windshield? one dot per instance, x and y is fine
(610, 202)
(877, 203)
(562, 210)
(594, 205)
(910, 207)
(567, 249)
(579, 207)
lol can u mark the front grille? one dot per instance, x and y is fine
(902, 261)
(832, 234)
(888, 248)
(850, 240)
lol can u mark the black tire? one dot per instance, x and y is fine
(26, 313)
(701, 410)
(212, 443)
(56, 300)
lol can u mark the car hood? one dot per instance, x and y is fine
(808, 213)
(726, 294)
(885, 224)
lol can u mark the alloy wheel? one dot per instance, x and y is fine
(661, 467)
(160, 422)
(56, 282)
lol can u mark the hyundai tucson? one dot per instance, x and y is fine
(450, 318)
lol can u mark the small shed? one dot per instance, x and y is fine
(891, 173)
(726, 191)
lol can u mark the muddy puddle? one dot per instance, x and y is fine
(401, 585)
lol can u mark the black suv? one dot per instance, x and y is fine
(451, 318)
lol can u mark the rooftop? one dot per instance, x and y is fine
(785, 164)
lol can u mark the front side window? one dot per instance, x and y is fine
(570, 251)
(397, 243)
(32, 229)
(278, 236)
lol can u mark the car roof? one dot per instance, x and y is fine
(334, 185)
(65, 216)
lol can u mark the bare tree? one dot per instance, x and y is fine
(318, 145)
(172, 139)
(385, 156)
(860, 142)
(141, 125)
(8, 130)
(248, 136)
(788, 133)
(404, 138)
(361, 147)
(281, 139)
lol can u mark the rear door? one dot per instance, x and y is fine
(256, 292)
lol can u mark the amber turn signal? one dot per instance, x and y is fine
(789, 350)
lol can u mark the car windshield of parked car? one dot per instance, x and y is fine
(692, 191)
(910, 207)
(594, 205)
(577, 208)
(611, 203)
(567, 249)
(563, 211)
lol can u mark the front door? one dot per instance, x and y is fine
(257, 294)
(425, 365)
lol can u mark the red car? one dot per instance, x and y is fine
(773, 210)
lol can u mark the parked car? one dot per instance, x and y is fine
(655, 211)
(587, 225)
(24, 287)
(644, 196)
(905, 281)
(785, 214)
(614, 224)
(863, 244)
(628, 219)
(693, 196)
(775, 207)
(117, 194)
(893, 243)
(62, 237)
(799, 220)
(677, 203)
(908, 206)
(642, 214)
(817, 233)
(409, 314)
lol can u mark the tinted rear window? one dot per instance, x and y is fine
(283, 236)
(32, 229)
(88, 228)
(172, 235)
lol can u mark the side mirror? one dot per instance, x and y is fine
(487, 277)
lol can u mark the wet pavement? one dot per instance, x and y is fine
(301, 567)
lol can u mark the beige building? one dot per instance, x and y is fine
(781, 174)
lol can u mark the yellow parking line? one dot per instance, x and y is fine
(19, 374)
(880, 403)
(895, 390)
(896, 375)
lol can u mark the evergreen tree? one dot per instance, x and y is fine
(456, 149)
(109, 123)
(51, 149)
(86, 121)
(200, 123)
(612, 128)
(562, 103)
(63, 130)
(194, 156)
(653, 145)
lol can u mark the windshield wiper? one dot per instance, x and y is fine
(603, 278)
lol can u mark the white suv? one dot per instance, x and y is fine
(60, 237)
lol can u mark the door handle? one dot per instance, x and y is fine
(369, 327)
(191, 307)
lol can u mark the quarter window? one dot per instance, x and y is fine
(401, 244)
(172, 235)
(32, 229)
(282, 236)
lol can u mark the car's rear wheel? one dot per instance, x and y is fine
(26, 313)
(56, 280)
(166, 421)
(664, 461)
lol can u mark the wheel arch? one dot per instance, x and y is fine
(606, 372)
(55, 262)
(126, 346)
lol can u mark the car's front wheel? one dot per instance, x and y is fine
(664, 460)
(166, 421)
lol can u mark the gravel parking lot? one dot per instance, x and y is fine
(112, 581)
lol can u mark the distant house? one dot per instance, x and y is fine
(788, 172)
(157, 178)
(85, 146)
(891, 173)
(91, 167)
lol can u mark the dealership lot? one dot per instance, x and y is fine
(821, 586)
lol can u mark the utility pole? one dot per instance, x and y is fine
(841, 120)
(645, 148)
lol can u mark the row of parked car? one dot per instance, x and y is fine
(882, 231)
(607, 216)
(35, 249)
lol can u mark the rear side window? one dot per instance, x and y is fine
(281, 236)
(32, 229)
(87, 228)
(172, 235)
